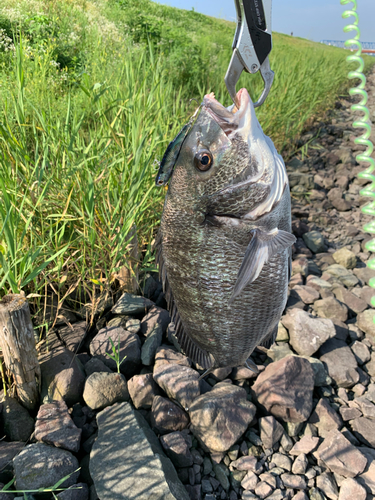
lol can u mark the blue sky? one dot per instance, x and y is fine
(312, 19)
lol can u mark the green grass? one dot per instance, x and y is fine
(90, 94)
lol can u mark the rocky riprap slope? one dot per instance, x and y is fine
(304, 428)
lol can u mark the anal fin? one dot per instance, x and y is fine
(262, 247)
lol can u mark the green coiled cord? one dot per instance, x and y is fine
(365, 124)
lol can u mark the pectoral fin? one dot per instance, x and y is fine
(261, 248)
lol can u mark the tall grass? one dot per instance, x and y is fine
(90, 94)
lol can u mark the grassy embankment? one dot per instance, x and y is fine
(89, 99)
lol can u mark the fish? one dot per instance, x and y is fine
(224, 242)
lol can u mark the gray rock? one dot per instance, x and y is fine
(95, 365)
(308, 294)
(8, 451)
(54, 426)
(73, 335)
(361, 352)
(353, 302)
(78, 491)
(307, 333)
(300, 464)
(325, 418)
(142, 390)
(270, 431)
(350, 489)
(221, 416)
(63, 377)
(293, 481)
(103, 389)
(131, 304)
(130, 349)
(283, 461)
(133, 456)
(364, 430)
(301, 495)
(285, 389)
(340, 362)
(169, 355)
(366, 406)
(277, 352)
(263, 490)
(305, 445)
(340, 456)
(133, 325)
(314, 241)
(179, 382)
(367, 477)
(250, 481)
(321, 377)
(156, 317)
(345, 276)
(331, 308)
(365, 322)
(221, 474)
(152, 342)
(177, 449)
(316, 494)
(166, 416)
(327, 484)
(41, 466)
(247, 463)
(349, 413)
(364, 274)
(18, 424)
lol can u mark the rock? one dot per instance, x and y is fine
(318, 283)
(54, 426)
(293, 481)
(179, 382)
(364, 430)
(367, 477)
(131, 304)
(156, 317)
(8, 451)
(165, 354)
(340, 456)
(277, 352)
(41, 466)
(307, 333)
(78, 491)
(73, 335)
(300, 464)
(364, 274)
(301, 495)
(349, 413)
(325, 418)
(340, 362)
(314, 241)
(300, 266)
(250, 481)
(365, 322)
(263, 490)
(353, 302)
(18, 424)
(342, 274)
(361, 352)
(221, 474)
(167, 416)
(283, 461)
(62, 377)
(345, 258)
(221, 416)
(130, 349)
(315, 494)
(103, 389)
(282, 333)
(327, 484)
(335, 197)
(285, 388)
(308, 294)
(270, 431)
(305, 445)
(152, 342)
(321, 377)
(366, 406)
(350, 489)
(133, 325)
(133, 456)
(331, 308)
(6, 496)
(95, 365)
(242, 373)
(177, 449)
(142, 390)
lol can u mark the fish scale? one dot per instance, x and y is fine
(226, 277)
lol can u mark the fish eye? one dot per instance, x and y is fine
(203, 160)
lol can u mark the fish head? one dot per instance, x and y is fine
(224, 148)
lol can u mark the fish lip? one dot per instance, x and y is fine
(227, 118)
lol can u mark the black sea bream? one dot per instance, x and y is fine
(224, 245)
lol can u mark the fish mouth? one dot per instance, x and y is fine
(230, 119)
